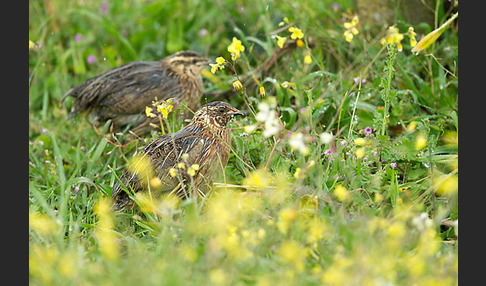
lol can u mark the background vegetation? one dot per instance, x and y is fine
(377, 205)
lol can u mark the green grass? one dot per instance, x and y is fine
(372, 212)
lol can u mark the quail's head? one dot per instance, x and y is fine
(216, 114)
(188, 62)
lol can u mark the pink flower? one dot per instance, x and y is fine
(91, 59)
(368, 130)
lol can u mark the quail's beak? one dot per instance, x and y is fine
(204, 61)
(237, 112)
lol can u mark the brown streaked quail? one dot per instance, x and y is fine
(121, 94)
(205, 140)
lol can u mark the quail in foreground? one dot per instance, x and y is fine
(121, 94)
(205, 140)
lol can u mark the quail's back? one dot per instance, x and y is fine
(205, 140)
(121, 94)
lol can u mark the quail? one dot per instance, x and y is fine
(204, 142)
(121, 94)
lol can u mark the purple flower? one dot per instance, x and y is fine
(302, 109)
(289, 134)
(336, 6)
(355, 79)
(328, 152)
(41, 143)
(368, 130)
(448, 49)
(342, 143)
(78, 38)
(363, 81)
(104, 7)
(43, 131)
(76, 189)
(91, 59)
(374, 153)
(393, 165)
(202, 32)
(244, 134)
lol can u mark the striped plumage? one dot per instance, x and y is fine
(205, 140)
(121, 94)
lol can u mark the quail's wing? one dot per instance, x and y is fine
(126, 89)
(163, 153)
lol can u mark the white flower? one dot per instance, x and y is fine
(326, 138)
(296, 141)
(422, 221)
(268, 116)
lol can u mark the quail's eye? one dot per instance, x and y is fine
(221, 109)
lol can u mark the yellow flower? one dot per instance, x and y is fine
(262, 91)
(360, 141)
(341, 193)
(281, 41)
(420, 141)
(192, 170)
(181, 166)
(411, 126)
(42, 223)
(296, 33)
(297, 173)
(235, 48)
(292, 253)
(220, 61)
(393, 36)
(359, 152)
(164, 109)
(259, 179)
(214, 67)
(148, 112)
(446, 185)
(238, 86)
(31, 44)
(172, 172)
(307, 60)
(155, 183)
(140, 165)
(411, 34)
(299, 43)
(351, 29)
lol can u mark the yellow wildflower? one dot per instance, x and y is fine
(238, 86)
(360, 142)
(297, 173)
(235, 48)
(411, 34)
(307, 60)
(220, 61)
(42, 223)
(411, 126)
(420, 141)
(341, 193)
(281, 41)
(296, 33)
(181, 166)
(262, 91)
(155, 183)
(172, 172)
(140, 165)
(446, 185)
(31, 44)
(359, 152)
(393, 36)
(192, 170)
(292, 253)
(214, 67)
(259, 179)
(299, 43)
(351, 29)
(148, 112)
(165, 108)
